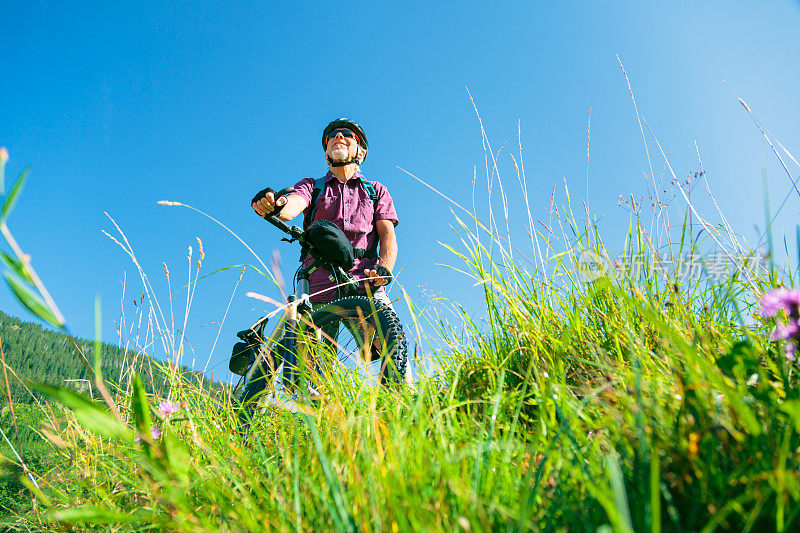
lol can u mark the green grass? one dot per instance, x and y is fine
(617, 402)
(629, 403)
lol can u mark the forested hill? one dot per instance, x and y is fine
(40, 355)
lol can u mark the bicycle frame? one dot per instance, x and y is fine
(284, 334)
(288, 336)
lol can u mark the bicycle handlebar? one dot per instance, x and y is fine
(296, 233)
(293, 231)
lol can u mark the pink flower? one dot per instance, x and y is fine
(782, 299)
(155, 433)
(167, 408)
(785, 331)
(788, 301)
(790, 351)
(3, 155)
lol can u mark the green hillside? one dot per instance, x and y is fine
(36, 354)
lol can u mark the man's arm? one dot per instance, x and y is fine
(388, 251)
(293, 205)
(386, 236)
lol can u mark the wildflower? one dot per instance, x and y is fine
(788, 301)
(155, 433)
(3, 155)
(785, 331)
(753, 381)
(168, 408)
(783, 299)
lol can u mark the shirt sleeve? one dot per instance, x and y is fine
(385, 208)
(304, 189)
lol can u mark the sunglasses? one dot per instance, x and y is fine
(345, 132)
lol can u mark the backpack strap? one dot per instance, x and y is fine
(373, 195)
(372, 251)
(319, 186)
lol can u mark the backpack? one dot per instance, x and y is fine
(319, 186)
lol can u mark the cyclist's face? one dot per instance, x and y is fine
(341, 148)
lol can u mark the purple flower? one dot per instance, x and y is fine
(785, 331)
(155, 433)
(788, 301)
(782, 299)
(790, 351)
(167, 408)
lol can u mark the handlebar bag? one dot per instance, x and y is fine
(330, 243)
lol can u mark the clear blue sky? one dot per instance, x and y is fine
(115, 107)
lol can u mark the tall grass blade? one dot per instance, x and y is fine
(11, 199)
(98, 343)
(91, 415)
(16, 266)
(655, 493)
(620, 495)
(341, 517)
(30, 300)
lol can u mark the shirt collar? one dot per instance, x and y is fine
(330, 176)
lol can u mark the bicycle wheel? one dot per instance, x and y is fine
(358, 327)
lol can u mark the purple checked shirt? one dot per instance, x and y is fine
(349, 206)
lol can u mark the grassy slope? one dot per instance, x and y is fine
(33, 353)
(623, 402)
(635, 403)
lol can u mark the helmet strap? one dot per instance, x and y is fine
(341, 163)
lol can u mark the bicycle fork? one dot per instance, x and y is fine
(289, 347)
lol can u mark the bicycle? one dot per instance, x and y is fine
(351, 325)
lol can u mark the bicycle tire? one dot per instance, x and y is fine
(261, 380)
(389, 344)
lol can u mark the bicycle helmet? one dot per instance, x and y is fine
(350, 125)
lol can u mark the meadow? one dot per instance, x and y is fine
(589, 396)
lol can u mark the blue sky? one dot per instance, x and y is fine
(117, 106)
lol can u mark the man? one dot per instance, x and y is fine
(362, 209)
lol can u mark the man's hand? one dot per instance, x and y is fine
(264, 202)
(380, 276)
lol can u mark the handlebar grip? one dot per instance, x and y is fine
(283, 192)
(293, 231)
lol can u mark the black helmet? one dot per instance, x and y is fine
(349, 124)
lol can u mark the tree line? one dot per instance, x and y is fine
(39, 355)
